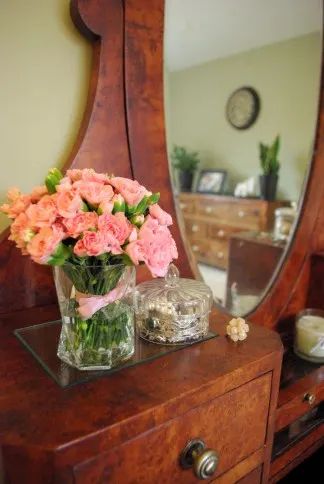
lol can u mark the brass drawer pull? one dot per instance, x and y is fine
(203, 461)
(194, 228)
(195, 248)
(309, 398)
(208, 209)
(241, 213)
(221, 233)
(182, 205)
(220, 255)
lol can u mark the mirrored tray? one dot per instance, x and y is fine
(42, 340)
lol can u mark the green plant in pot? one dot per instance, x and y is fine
(186, 162)
(270, 166)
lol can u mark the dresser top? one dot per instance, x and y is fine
(35, 411)
(190, 196)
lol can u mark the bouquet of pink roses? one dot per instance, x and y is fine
(92, 227)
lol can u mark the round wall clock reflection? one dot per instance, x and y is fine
(243, 107)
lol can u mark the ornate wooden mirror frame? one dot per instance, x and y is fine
(123, 132)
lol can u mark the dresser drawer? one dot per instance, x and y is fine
(244, 216)
(234, 425)
(187, 206)
(221, 232)
(294, 408)
(212, 209)
(211, 252)
(195, 228)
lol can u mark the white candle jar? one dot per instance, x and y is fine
(309, 335)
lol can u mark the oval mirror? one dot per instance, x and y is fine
(241, 88)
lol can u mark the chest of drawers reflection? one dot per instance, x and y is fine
(210, 221)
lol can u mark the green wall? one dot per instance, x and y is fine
(285, 74)
(45, 72)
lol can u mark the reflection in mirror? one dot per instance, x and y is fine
(241, 82)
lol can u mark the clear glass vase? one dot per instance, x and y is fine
(97, 314)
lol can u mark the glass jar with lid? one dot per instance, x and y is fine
(284, 219)
(172, 310)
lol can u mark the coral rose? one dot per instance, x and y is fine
(45, 243)
(19, 203)
(131, 190)
(21, 231)
(116, 225)
(43, 213)
(79, 224)
(160, 215)
(88, 174)
(69, 204)
(38, 193)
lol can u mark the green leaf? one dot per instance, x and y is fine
(84, 207)
(154, 198)
(142, 206)
(55, 174)
(61, 252)
(53, 178)
(119, 207)
(50, 185)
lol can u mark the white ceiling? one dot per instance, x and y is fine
(198, 31)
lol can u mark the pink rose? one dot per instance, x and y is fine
(65, 185)
(19, 203)
(79, 224)
(160, 215)
(88, 174)
(43, 213)
(131, 190)
(74, 175)
(155, 246)
(38, 193)
(116, 225)
(94, 192)
(133, 235)
(21, 231)
(136, 251)
(96, 243)
(106, 206)
(69, 204)
(45, 243)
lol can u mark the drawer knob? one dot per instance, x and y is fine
(194, 228)
(220, 255)
(195, 248)
(241, 213)
(182, 205)
(208, 209)
(221, 233)
(309, 398)
(203, 461)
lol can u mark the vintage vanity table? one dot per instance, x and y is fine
(156, 421)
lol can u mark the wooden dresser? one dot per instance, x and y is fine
(210, 220)
(131, 427)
